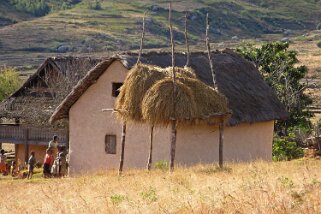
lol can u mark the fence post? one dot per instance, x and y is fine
(26, 138)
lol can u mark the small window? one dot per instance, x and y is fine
(110, 144)
(115, 88)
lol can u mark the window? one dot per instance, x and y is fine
(115, 88)
(110, 144)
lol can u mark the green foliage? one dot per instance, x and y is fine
(94, 5)
(319, 26)
(9, 82)
(284, 148)
(278, 67)
(149, 195)
(117, 199)
(35, 7)
(162, 165)
(319, 44)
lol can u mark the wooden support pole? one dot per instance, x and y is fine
(187, 44)
(123, 138)
(0, 146)
(26, 137)
(150, 157)
(208, 46)
(221, 141)
(141, 41)
(173, 122)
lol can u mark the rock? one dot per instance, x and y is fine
(235, 38)
(63, 49)
(285, 39)
(288, 32)
(221, 45)
(155, 8)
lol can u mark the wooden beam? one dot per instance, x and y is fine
(150, 157)
(26, 137)
(221, 141)
(122, 154)
(173, 122)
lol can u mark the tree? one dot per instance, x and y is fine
(278, 67)
(9, 82)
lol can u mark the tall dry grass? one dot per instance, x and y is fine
(259, 187)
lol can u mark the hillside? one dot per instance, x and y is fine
(116, 25)
(259, 187)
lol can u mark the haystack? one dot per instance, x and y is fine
(209, 101)
(158, 104)
(147, 96)
(139, 79)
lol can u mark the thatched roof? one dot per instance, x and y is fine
(249, 97)
(34, 102)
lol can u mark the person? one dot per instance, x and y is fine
(62, 155)
(53, 145)
(13, 168)
(31, 164)
(3, 159)
(48, 163)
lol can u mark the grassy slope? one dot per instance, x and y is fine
(117, 25)
(9, 14)
(282, 187)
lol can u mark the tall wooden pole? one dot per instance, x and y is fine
(221, 141)
(221, 125)
(173, 121)
(150, 157)
(186, 42)
(122, 154)
(208, 46)
(141, 40)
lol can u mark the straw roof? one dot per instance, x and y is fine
(249, 97)
(35, 101)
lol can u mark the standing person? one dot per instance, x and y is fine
(53, 145)
(31, 164)
(3, 159)
(48, 163)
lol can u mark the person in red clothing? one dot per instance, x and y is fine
(48, 163)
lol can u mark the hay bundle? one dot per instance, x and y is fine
(158, 104)
(181, 72)
(139, 79)
(209, 101)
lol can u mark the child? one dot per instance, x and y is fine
(48, 163)
(31, 164)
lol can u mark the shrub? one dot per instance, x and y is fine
(162, 165)
(319, 26)
(284, 148)
(96, 5)
(319, 44)
(9, 82)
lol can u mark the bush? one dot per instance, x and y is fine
(35, 7)
(319, 44)
(9, 82)
(284, 148)
(96, 5)
(162, 165)
(319, 26)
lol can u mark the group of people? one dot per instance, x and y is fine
(55, 161)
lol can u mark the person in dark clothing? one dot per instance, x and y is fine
(48, 163)
(31, 164)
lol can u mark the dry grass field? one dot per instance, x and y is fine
(259, 187)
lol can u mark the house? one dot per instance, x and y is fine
(96, 134)
(24, 115)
